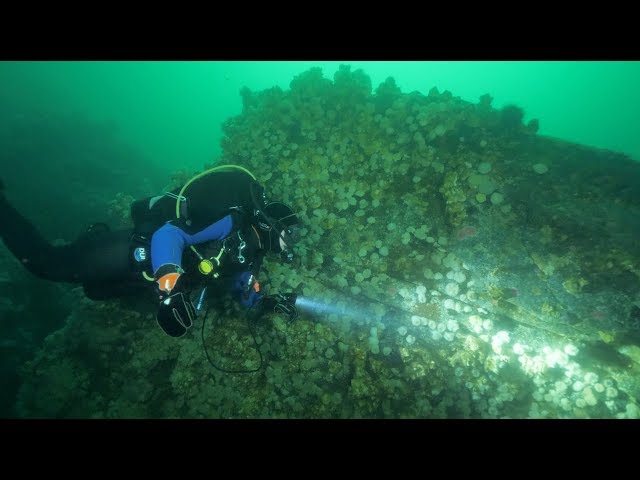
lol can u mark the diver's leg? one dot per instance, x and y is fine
(92, 258)
(28, 246)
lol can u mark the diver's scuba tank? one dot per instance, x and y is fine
(149, 214)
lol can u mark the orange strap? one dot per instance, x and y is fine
(256, 286)
(167, 282)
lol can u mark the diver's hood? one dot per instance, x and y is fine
(275, 218)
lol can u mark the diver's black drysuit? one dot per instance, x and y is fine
(93, 258)
(103, 261)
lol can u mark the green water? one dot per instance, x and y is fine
(172, 111)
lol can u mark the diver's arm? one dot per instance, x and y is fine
(168, 243)
(246, 288)
(176, 312)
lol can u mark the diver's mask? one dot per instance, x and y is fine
(279, 222)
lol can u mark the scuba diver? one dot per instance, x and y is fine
(210, 234)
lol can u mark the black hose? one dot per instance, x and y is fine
(255, 342)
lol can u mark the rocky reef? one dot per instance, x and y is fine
(453, 264)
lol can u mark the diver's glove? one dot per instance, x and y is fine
(284, 303)
(175, 312)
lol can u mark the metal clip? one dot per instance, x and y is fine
(243, 244)
(177, 197)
